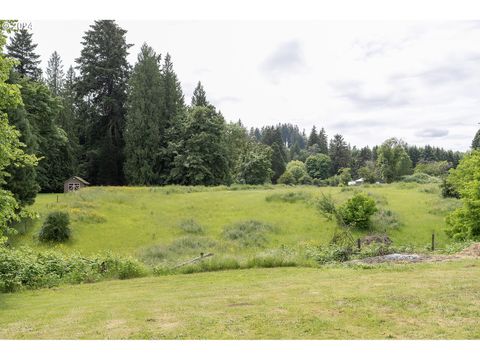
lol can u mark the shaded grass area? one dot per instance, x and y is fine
(425, 301)
(136, 220)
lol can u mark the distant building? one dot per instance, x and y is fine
(356, 182)
(74, 183)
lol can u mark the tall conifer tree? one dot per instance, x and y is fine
(101, 92)
(145, 122)
(55, 74)
(22, 48)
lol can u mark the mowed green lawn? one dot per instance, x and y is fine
(126, 220)
(422, 301)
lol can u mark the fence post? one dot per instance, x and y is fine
(359, 244)
(433, 241)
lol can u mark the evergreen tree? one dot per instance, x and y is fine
(174, 103)
(22, 48)
(202, 154)
(313, 138)
(476, 141)
(323, 142)
(339, 153)
(273, 138)
(101, 93)
(199, 97)
(145, 123)
(55, 74)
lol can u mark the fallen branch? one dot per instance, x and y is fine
(201, 257)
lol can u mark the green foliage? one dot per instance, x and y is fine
(55, 74)
(273, 138)
(358, 210)
(254, 162)
(199, 97)
(22, 49)
(369, 172)
(294, 172)
(25, 269)
(463, 223)
(56, 228)
(476, 141)
(318, 166)
(420, 178)
(339, 153)
(11, 148)
(201, 154)
(433, 168)
(145, 143)
(290, 197)
(448, 189)
(393, 161)
(190, 226)
(248, 233)
(344, 176)
(101, 96)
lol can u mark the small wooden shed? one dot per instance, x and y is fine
(74, 183)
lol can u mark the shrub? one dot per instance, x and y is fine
(448, 189)
(344, 176)
(189, 244)
(463, 224)
(248, 233)
(289, 197)
(420, 178)
(385, 219)
(56, 227)
(329, 254)
(358, 210)
(25, 269)
(287, 178)
(433, 168)
(295, 171)
(190, 226)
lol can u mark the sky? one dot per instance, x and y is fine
(369, 81)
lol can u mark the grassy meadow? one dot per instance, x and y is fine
(421, 301)
(170, 224)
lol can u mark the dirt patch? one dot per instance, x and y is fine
(472, 250)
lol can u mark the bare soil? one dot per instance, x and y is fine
(472, 251)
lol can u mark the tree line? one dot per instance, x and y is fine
(115, 124)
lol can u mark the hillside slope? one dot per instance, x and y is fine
(130, 220)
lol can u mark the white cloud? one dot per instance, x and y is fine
(367, 80)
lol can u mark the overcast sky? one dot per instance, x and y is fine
(366, 80)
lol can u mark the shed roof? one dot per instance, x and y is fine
(78, 178)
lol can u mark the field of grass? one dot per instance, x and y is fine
(175, 223)
(422, 301)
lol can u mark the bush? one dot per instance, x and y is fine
(295, 171)
(248, 233)
(289, 197)
(448, 189)
(420, 178)
(463, 224)
(358, 210)
(329, 254)
(25, 269)
(56, 227)
(433, 168)
(190, 226)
